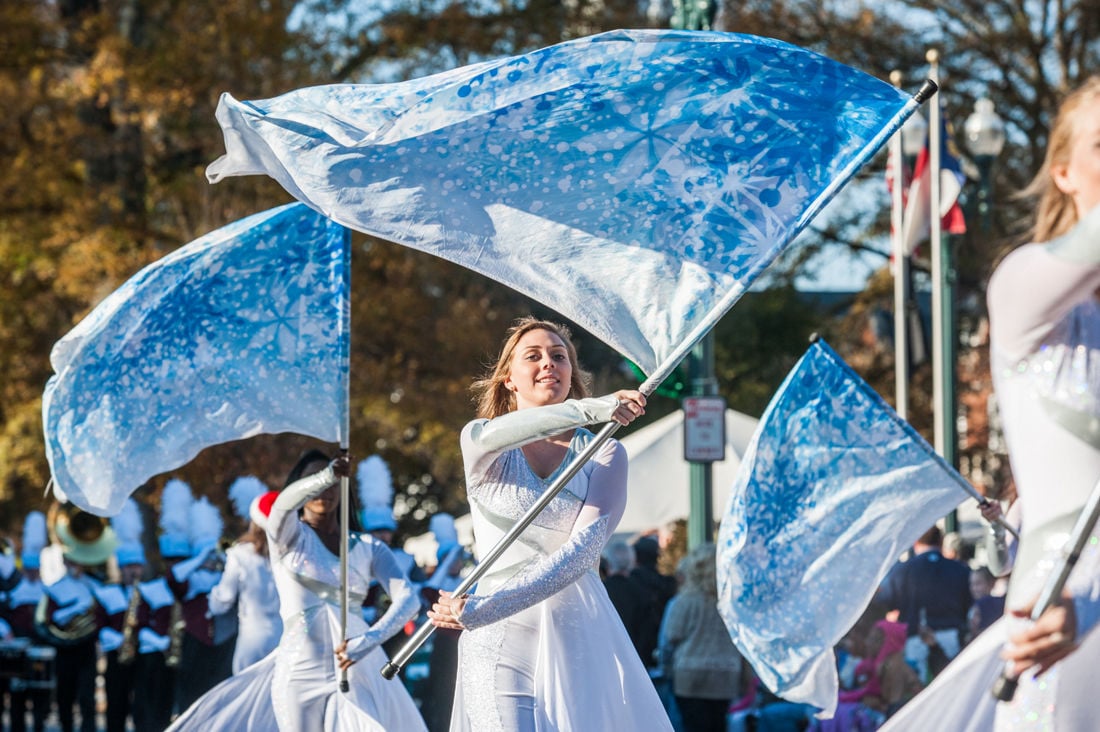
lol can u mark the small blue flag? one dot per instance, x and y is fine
(241, 332)
(832, 489)
(636, 181)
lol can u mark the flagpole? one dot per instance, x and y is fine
(345, 434)
(663, 370)
(936, 256)
(901, 271)
(943, 331)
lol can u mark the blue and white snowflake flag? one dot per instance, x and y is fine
(637, 182)
(832, 489)
(241, 332)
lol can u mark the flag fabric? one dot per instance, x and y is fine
(635, 181)
(833, 487)
(241, 332)
(918, 196)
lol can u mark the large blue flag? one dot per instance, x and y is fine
(635, 181)
(241, 332)
(832, 489)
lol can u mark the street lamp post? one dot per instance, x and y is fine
(985, 138)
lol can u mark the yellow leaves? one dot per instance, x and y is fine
(21, 450)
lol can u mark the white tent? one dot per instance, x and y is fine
(658, 489)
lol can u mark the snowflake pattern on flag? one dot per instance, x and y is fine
(241, 332)
(634, 181)
(833, 487)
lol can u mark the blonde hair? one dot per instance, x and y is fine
(1056, 213)
(493, 396)
(700, 572)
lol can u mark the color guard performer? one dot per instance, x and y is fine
(247, 586)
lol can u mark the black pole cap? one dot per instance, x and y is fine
(927, 89)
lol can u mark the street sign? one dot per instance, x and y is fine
(704, 429)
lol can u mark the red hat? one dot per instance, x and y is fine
(260, 508)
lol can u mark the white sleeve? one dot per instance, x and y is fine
(482, 440)
(548, 575)
(1038, 284)
(224, 595)
(404, 603)
(282, 523)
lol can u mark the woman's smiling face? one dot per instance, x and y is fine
(541, 372)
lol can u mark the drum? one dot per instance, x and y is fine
(13, 658)
(41, 667)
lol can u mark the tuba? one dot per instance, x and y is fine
(88, 541)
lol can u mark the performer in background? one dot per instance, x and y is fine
(69, 618)
(451, 558)
(20, 605)
(154, 677)
(120, 601)
(247, 585)
(206, 655)
(295, 689)
(1044, 344)
(375, 490)
(175, 546)
(544, 647)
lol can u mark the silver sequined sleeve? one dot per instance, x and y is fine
(541, 579)
(404, 603)
(484, 439)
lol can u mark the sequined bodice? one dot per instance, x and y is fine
(509, 488)
(308, 557)
(1065, 372)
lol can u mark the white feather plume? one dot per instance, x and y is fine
(205, 524)
(175, 507)
(243, 491)
(375, 483)
(443, 526)
(34, 532)
(128, 524)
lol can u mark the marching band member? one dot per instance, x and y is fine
(375, 484)
(68, 616)
(208, 640)
(119, 602)
(21, 602)
(155, 677)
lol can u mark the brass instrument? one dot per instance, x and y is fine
(77, 630)
(175, 637)
(127, 652)
(91, 541)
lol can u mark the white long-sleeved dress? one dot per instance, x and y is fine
(248, 582)
(1045, 357)
(295, 689)
(544, 647)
